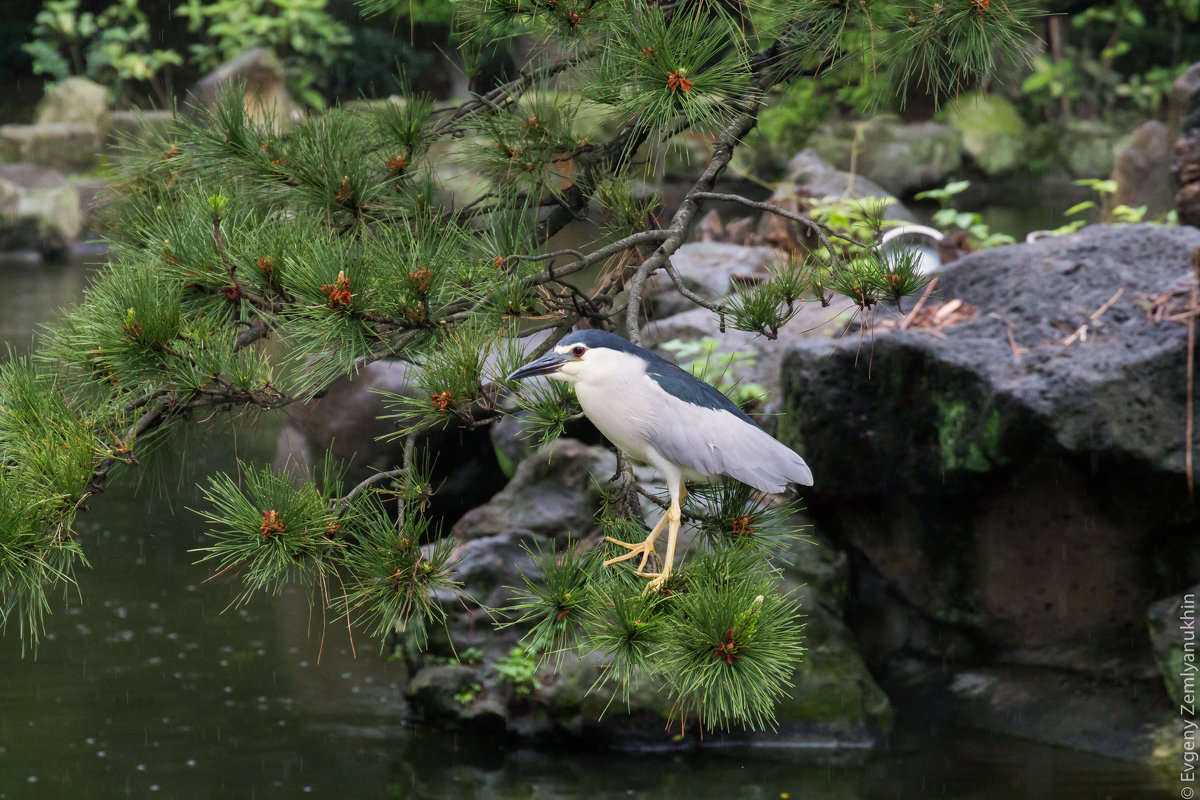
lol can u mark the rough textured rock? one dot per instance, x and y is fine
(75, 100)
(1118, 719)
(901, 157)
(834, 701)
(66, 146)
(1185, 166)
(818, 178)
(1173, 624)
(1143, 171)
(1087, 148)
(833, 689)
(1010, 499)
(562, 507)
(994, 491)
(708, 269)
(993, 133)
(266, 94)
(39, 210)
(810, 177)
(1185, 100)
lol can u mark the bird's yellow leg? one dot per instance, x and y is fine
(644, 549)
(674, 515)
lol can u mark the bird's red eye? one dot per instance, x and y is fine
(578, 350)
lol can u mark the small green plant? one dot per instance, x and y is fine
(704, 359)
(1119, 214)
(471, 656)
(519, 670)
(951, 219)
(467, 694)
(858, 221)
(113, 47)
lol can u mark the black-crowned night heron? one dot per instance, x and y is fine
(660, 414)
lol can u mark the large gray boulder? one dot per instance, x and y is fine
(902, 157)
(266, 96)
(76, 101)
(1143, 171)
(1185, 123)
(564, 505)
(709, 269)
(811, 175)
(1012, 488)
(65, 146)
(834, 702)
(345, 422)
(39, 210)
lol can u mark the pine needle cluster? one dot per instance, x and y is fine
(719, 643)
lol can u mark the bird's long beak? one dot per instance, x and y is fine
(542, 366)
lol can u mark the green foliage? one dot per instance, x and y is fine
(950, 219)
(1119, 214)
(519, 670)
(552, 604)
(468, 693)
(112, 47)
(1088, 79)
(275, 533)
(550, 405)
(692, 65)
(719, 641)
(47, 446)
(272, 532)
(733, 646)
(794, 115)
(301, 32)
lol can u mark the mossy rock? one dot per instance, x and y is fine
(902, 157)
(993, 133)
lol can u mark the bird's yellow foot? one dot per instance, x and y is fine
(656, 584)
(644, 549)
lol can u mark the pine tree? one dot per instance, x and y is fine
(338, 242)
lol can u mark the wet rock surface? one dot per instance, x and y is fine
(1010, 490)
(39, 210)
(834, 703)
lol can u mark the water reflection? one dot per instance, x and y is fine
(34, 291)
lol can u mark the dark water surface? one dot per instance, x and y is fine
(149, 687)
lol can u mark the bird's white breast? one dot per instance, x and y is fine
(615, 396)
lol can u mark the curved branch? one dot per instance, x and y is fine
(822, 231)
(685, 216)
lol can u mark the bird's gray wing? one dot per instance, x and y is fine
(715, 442)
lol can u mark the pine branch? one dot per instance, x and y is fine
(506, 94)
(823, 232)
(686, 215)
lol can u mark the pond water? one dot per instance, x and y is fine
(146, 685)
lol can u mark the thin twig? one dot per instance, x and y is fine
(822, 231)
(682, 221)
(339, 503)
(1080, 333)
